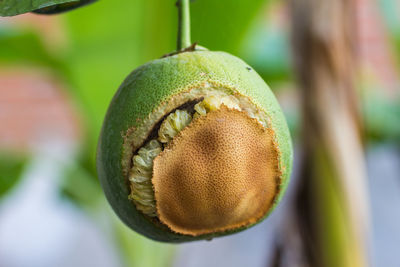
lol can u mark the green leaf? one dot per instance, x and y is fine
(11, 168)
(62, 7)
(16, 7)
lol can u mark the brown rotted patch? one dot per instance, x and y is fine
(220, 173)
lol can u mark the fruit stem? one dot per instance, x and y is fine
(183, 24)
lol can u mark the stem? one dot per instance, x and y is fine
(183, 24)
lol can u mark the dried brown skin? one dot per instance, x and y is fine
(220, 173)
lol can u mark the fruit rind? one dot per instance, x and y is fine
(152, 85)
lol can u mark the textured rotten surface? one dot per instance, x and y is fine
(220, 173)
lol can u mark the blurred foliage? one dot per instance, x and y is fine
(267, 46)
(79, 184)
(391, 18)
(382, 115)
(11, 168)
(14, 49)
(269, 43)
(138, 251)
(382, 119)
(223, 25)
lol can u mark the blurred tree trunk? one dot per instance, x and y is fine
(330, 207)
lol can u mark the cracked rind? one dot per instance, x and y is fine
(151, 86)
(134, 139)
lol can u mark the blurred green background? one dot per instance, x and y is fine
(88, 52)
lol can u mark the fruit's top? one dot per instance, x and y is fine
(156, 89)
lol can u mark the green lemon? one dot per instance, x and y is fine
(194, 146)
